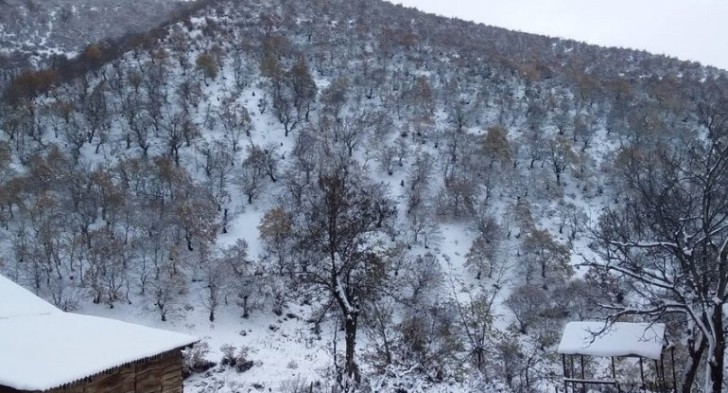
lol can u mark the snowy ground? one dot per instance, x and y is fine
(281, 347)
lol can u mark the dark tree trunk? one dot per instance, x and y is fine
(246, 314)
(691, 370)
(188, 238)
(716, 358)
(225, 221)
(162, 312)
(350, 326)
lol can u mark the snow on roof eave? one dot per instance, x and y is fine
(620, 339)
(620, 355)
(74, 347)
(67, 385)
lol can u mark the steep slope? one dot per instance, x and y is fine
(68, 26)
(338, 173)
(37, 34)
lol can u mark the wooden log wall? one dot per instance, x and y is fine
(161, 374)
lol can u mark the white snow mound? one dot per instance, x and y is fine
(621, 339)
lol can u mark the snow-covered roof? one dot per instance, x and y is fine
(619, 339)
(43, 347)
(18, 301)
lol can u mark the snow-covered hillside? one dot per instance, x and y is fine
(346, 194)
(41, 29)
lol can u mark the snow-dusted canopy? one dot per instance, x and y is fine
(619, 339)
(42, 347)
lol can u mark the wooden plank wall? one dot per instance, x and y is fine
(157, 375)
(163, 375)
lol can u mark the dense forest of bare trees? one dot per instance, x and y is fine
(590, 183)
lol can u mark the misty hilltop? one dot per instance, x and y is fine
(32, 31)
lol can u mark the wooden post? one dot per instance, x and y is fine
(642, 374)
(674, 378)
(658, 380)
(665, 386)
(566, 372)
(571, 368)
(583, 378)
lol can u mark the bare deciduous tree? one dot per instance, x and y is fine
(669, 238)
(339, 234)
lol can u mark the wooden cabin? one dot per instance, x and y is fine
(43, 349)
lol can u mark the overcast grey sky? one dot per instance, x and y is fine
(687, 29)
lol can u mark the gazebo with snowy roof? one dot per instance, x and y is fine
(616, 340)
(43, 349)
